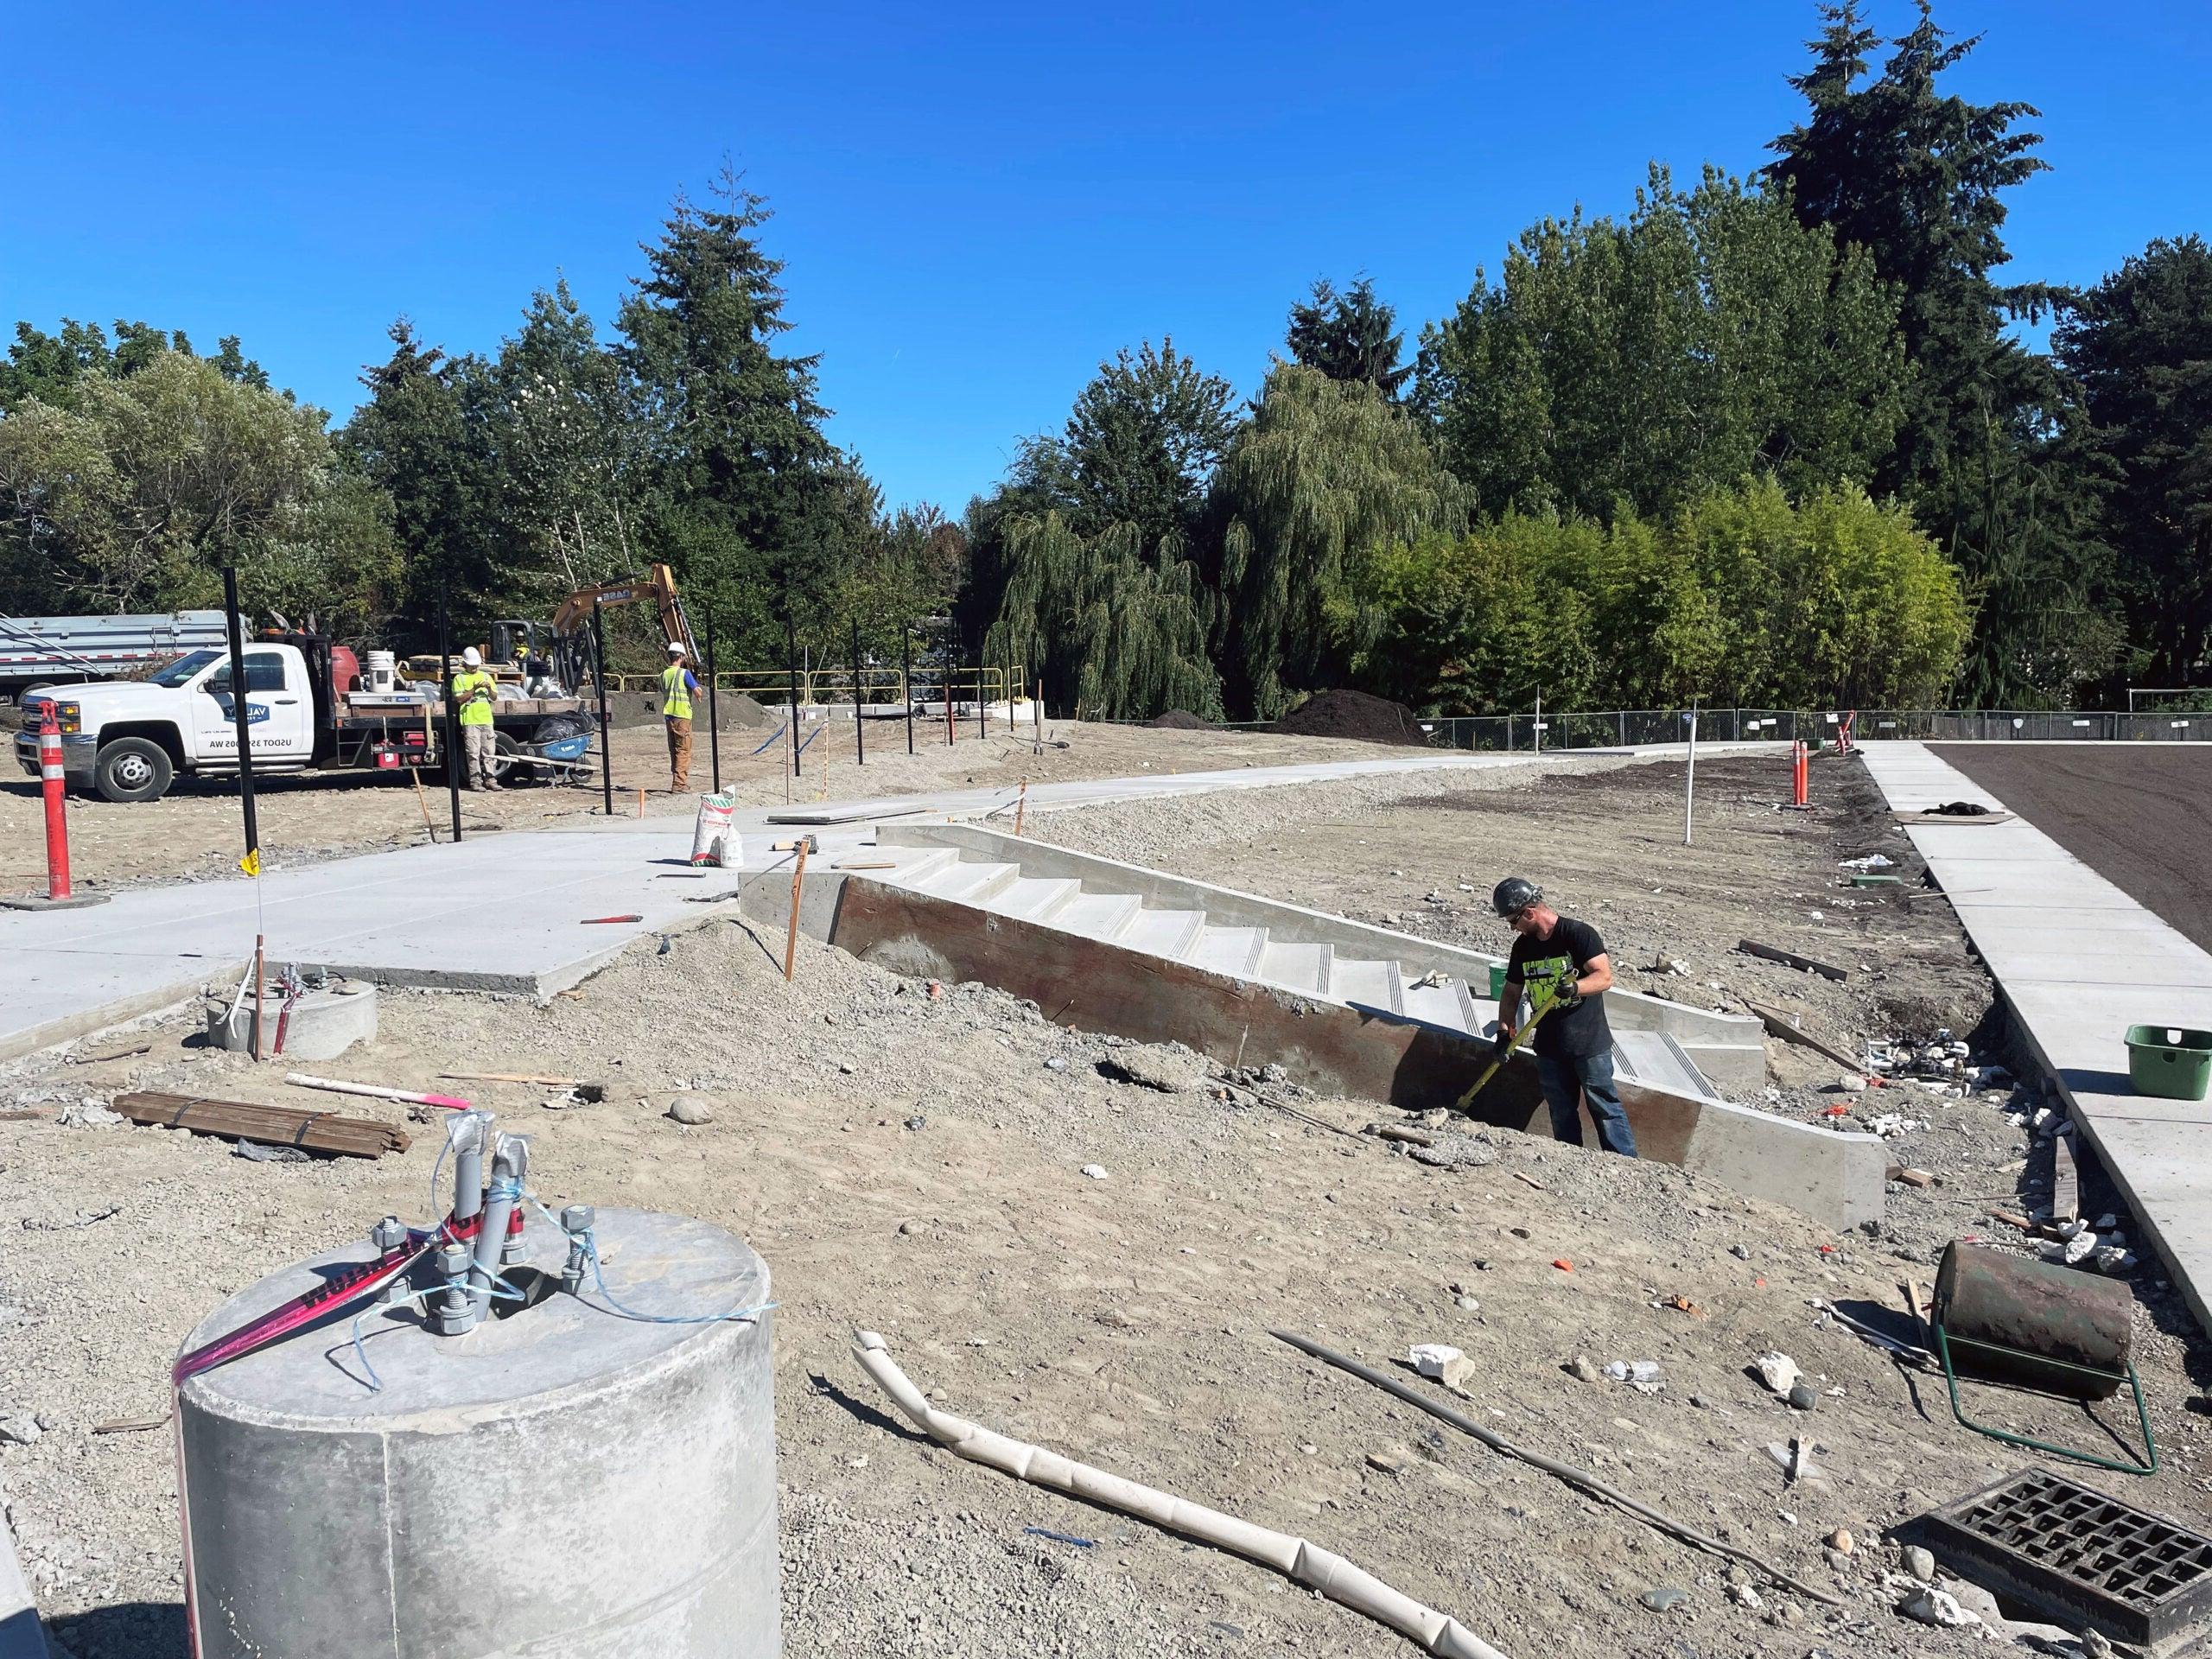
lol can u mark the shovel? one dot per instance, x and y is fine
(1546, 999)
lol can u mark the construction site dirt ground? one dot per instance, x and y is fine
(193, 833)
(912, 1162)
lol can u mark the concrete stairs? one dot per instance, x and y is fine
(1012, 878)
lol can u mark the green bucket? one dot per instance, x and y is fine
(1496, 980)
(2170, 1061)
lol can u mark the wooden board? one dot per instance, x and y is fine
(1791, 959)
(2065, 1180)
(272, 1126)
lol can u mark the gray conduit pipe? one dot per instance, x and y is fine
(1333, 1576)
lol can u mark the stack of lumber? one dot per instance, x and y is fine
(274, 1126)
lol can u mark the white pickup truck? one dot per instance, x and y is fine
(130, 739)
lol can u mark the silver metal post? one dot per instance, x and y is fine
(1689, 782)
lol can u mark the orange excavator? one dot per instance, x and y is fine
(565, 642)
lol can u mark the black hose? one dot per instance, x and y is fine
(1566, 1472)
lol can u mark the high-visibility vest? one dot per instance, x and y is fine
(675, 697)
(476, 710)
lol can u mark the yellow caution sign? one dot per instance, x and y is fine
(252, 862)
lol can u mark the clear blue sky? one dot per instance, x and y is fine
(976, 204)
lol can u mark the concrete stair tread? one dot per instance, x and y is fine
(1097, 915)
(1369, 982)
(1164, 932)
(1297, 965)
(912, 871)
(1234, 950)
(1034, 898)
(969, 883)
(1439, 1005)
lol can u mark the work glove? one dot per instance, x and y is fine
(1565, 993)
(1502, 1044)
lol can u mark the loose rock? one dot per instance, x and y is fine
(690, 1109)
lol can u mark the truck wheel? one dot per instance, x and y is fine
(132, 769)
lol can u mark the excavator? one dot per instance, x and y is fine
(565, 643)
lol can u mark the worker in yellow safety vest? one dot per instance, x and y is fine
(678, 685)
(473, 689)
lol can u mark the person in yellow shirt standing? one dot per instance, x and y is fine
(472, 690)
(677, 687)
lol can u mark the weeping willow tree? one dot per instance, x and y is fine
(1325, 476)
(1106, 632)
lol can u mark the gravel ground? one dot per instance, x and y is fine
(1121, 1321)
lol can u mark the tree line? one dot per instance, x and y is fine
(1775, 438)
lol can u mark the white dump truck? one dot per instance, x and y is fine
(307, 708)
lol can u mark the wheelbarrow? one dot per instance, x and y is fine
(558, 760)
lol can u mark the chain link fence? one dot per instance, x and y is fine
(1632, 727)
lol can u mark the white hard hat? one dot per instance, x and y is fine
(676, 648)
(471, 658)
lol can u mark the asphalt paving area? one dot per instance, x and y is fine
(2135, 813)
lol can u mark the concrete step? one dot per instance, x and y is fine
(1035, 898)
(1098, 915)
(913, 871)
(1234, 950)
(1439, 1005)
(1301, 967)
(1654, 1057)
(971, 884)
(1164, 932)
(1369, 983)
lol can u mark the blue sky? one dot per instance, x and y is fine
(976, 204)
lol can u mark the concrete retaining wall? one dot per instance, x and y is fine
(1729, 1048)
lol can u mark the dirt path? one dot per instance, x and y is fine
(2139, 814)
(1122, 1320)
(194, 834)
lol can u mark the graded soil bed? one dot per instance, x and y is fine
(2137, 814)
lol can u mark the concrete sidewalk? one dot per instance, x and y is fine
(2079, 961)
(504, 912)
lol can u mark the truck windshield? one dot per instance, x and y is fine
(183, 669)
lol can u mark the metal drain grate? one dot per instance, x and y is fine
(2079, 1555)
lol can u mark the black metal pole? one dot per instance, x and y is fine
(1006, 680)
(455, 756)
(982, 710)
(907, 677)
(790, 662)
(714, 719)
(599, 675)
(240, 719)
(860, 741)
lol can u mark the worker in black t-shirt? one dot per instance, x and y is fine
(1574, 1046)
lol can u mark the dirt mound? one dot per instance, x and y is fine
(736, 708)
(1180, 720)
(1354, 715)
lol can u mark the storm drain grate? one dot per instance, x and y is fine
(2080, 1556)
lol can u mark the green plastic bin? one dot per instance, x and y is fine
(2170, 1061)
(1496, 980)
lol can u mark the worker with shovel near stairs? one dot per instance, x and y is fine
(1564, 963)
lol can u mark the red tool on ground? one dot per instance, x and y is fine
(1799, 773)
(600, 921)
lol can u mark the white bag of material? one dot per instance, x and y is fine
(713, 841)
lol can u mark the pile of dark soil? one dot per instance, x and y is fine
(1354, 715)
(1180, 720)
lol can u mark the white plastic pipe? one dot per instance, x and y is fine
(1333, 1576)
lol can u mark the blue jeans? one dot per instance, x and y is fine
(1590, 1076)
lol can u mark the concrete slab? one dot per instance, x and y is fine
(2058, 938)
